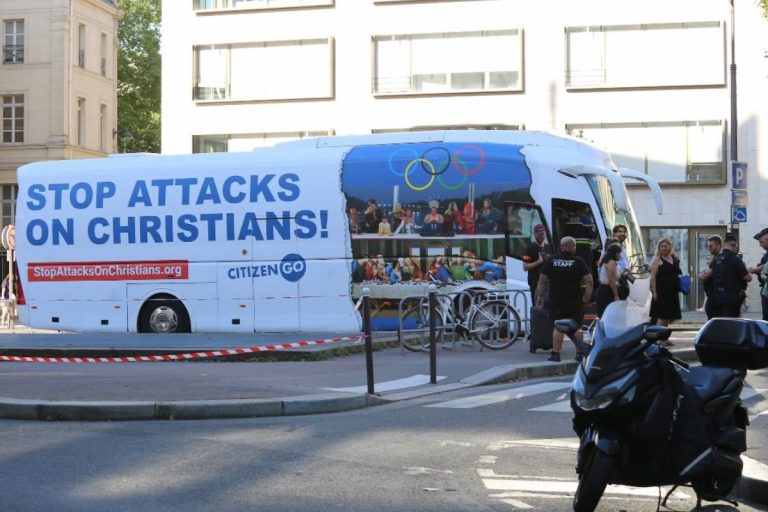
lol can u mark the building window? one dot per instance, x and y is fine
(660, 55)
(278, 70)
(13, 118)
(448, 62)
(103, 128)
(248, 141)
(426, 128)
(103, 55)
(81, 46)
(199, 5)
(671, 152)
(13, 41)
(80, 121)
(9, 193)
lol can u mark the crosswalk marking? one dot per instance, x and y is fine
(562, 402)
(502, 396)
(390, 385)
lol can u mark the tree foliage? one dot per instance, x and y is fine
(138, 76)
(764, 4)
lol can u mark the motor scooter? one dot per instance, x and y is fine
(645, 418)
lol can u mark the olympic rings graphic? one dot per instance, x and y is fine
(443, 166)
(478, 166)
(431, 174)
(467, 160)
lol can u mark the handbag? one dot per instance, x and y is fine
(684, 283)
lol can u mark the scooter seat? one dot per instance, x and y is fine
(709, 381)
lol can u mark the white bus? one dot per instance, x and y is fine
(285, 238)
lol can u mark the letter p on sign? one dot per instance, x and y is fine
(738, 175)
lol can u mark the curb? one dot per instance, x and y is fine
(48, 410)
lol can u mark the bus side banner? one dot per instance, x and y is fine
(108, 270)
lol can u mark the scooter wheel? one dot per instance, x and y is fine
(592, 481)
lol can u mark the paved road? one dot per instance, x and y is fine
(493, 449)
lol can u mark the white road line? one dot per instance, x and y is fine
(518, 504)
(748, 392)
(390, 385)
(567, 487)
(559, 406)
(502, 396)
(568, 443)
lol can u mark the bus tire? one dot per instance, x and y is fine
(164, 314)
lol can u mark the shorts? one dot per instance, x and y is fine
(572, 311)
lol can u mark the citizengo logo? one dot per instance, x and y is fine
(293, 267)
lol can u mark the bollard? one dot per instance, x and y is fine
(368, 338)
(432, 334)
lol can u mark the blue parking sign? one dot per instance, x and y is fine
(738, 175)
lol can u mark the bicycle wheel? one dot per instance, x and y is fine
(415, 334)
(495, 324)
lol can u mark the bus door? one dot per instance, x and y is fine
(235, 290)
(577, 219)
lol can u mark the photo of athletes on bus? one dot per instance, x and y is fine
(421, 214)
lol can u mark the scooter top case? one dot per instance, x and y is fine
(733, 343)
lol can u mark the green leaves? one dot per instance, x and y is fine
(139, 76)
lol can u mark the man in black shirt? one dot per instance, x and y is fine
(569, 281)
(762, 238)
(535, 256)
(726, 278)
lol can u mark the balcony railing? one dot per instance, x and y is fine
(81, 58)
(13, 54)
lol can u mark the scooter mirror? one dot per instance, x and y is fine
(657, 333)
(566, 326)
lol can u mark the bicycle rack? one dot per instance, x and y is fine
(451, 317)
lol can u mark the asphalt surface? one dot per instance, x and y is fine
(201, 389)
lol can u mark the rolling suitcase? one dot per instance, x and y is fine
(541, 330)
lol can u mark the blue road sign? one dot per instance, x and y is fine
(739, 214)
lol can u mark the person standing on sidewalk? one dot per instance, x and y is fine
(762, 238)
(569, 281)
(726, 279)
(535, 256)
(665, 284)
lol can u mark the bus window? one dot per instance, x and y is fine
(521, 219)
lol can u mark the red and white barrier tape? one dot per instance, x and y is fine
(179, 357)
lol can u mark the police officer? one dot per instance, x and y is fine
(726, 279)
(762, 238)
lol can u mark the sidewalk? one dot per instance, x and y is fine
(207, 390)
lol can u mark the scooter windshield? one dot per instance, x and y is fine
(620, 328)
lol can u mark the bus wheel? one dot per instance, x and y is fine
(163, 314)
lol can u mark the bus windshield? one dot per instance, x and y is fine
(612, 216)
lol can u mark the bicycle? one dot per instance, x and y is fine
(492, 322)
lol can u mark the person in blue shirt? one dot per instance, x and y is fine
(491, 270)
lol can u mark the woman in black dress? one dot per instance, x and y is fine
(665, 287)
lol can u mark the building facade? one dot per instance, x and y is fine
(58, 85)
(651, 84)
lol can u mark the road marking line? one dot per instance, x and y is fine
(542, 486)
(560, 406)
(517, 504)
(502, 396)
(748, 392)
(561, 443)
(420, 470)
(390, 385)
(487, 459)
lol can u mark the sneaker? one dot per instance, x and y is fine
(554, 357)
(579, 356)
